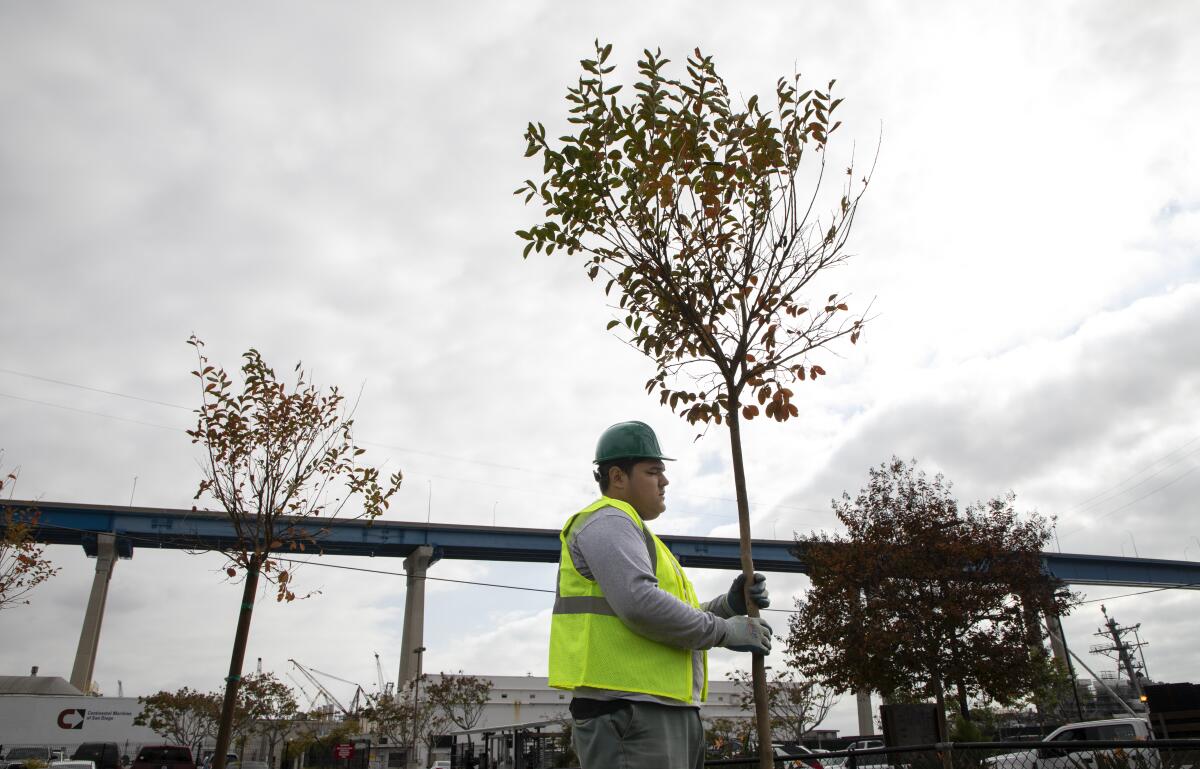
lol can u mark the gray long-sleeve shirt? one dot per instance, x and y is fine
(609, 548)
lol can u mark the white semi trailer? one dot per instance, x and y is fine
(65, 722)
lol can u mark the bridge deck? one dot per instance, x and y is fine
(78, 524)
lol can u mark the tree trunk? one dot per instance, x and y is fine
(963, 707)
(940, 698)
(758, 664)
(234, 680)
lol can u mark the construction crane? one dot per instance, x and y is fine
(385, 689)
(360, 695)
(312, 698)
(320, 687)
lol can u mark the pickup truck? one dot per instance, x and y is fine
(1055, 752)
(21, 756)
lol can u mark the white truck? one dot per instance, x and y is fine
(1056, 752)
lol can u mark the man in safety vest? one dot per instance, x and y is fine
(628, 634)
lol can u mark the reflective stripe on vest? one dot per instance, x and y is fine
(591, 647)
(583, 604)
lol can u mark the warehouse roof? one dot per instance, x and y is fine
(37, 685)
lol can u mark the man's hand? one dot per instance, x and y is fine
(747, 634)
(758, 593)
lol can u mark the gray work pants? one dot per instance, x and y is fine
(641, 736)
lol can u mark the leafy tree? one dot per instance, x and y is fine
(185, 717)
(429, 720)
(318, 740)
(919, 595)
(461, 698)
(797, 706)
(269, 709)
(566, 757)
(411, 717)
(724, 737)
(23, 562)
(273, 454)
(703, 216)
(391, 717)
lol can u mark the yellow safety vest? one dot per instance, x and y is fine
(590, 646)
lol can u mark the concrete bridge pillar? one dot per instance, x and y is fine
(413, 638)
(866, 719)
(89, 636)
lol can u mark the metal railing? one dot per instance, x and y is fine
(1078, 754)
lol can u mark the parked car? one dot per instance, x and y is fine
(163, 757)
(105, 755)
(1055, 753)
(207, 761)
(798, 752)
(70, 763)
(18, 757)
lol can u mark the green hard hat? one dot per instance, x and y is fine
(628, 440)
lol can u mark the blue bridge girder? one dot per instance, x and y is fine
(79, 524)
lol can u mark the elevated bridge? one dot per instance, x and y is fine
(132, 527)
(108, 533)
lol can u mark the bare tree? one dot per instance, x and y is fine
(797, 706)
(273, 453)
(23, 562)
(702, 216)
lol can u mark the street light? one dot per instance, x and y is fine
(416, 699)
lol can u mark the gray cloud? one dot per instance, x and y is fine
(332, 185)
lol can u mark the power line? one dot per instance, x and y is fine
(1153, 475)
(445, 579)
(92, 413)
(92, 389)
(1181, 586)
(1130, 477)
(524, 588)
(363, 569)
(406, 574)
(1139, 499)
(1086, 503)
(393, 447)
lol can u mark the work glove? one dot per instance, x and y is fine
(758, 593)
(747, 634)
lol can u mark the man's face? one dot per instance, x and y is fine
(645, 488)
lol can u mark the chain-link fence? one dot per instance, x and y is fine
(1098, 754)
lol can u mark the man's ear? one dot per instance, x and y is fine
(616, 477)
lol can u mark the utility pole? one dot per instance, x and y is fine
(1134, 668)
(416, 705)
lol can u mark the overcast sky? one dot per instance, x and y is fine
(330, 183)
